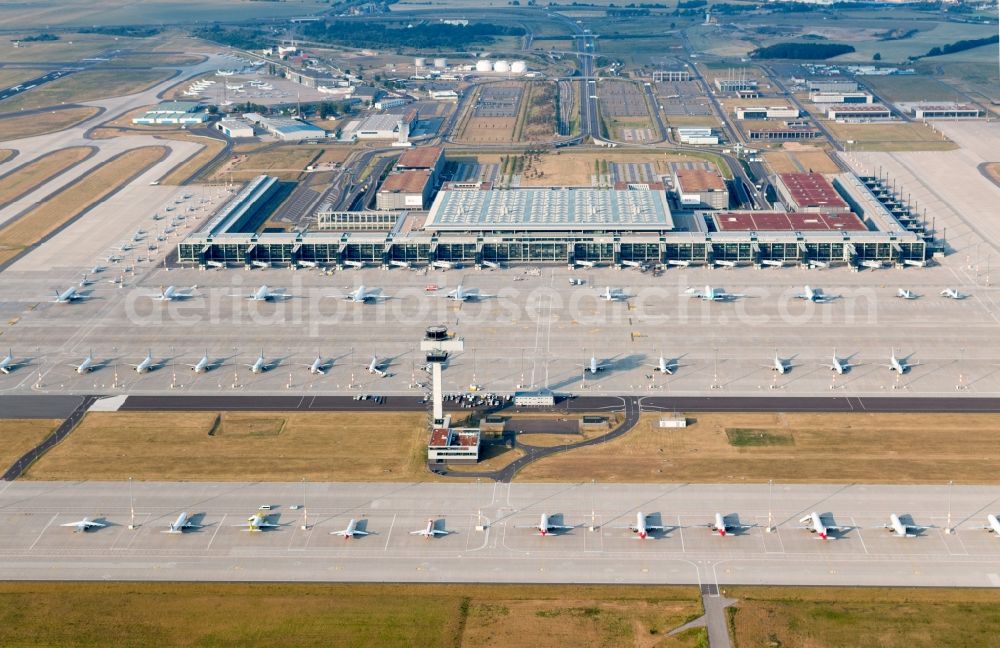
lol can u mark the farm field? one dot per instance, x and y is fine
(39, 123)
(355, 614)
(855, 617)
(28, 176)
(922, 448)
(73, 200)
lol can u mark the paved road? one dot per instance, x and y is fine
(64, 429)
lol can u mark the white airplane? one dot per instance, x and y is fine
(594, 366)
(86, 366)
(85, 281)
(430, 531)
(462, 294)
(992, 524)
(114, 258)
(722, 527)
(260, 365)
(840, 365)
(264, 294)
(318, 366)
(351, 530)
(614, 294)
(953, 293)
(203, 365)
(375, 367)
(899, 365)
(68, 296)
(903, 293)
(257, 522)
(814, 522)
(664, 366)
(780, 365)
(180, 524)
(363, 296)
(172, 293)
(96, 269)
(815, 296)
(147, 364)
(711, 294)
(641, 529)
(546, 526)
(7, 364)
(902, 530)
(84, 525)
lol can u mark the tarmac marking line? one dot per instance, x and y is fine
(216, 532)
(44, 529)
(389, 535)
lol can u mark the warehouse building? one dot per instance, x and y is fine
(287, 130)
(235, 128)
(700, 187)
(425, 158)
(841, 98)
(809, 192)
(405, 190)
(831, 85)
(671, 76)
(939, 110)
(858, 111)
(767, 112)
(697, 136)
(173, 113)
(374, 127)
(735, 85)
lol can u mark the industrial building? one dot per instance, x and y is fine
(831, 85)
(173, 113)
(841, 98)
(373, 127)
(391, 102)
(235, 128)
(671, 76)
(425, 158)
(287, 130)
(809, 192)
(767, 112)
(858, 111)
(693, 135)
(939, 110)
(405, 190)
(356, 221)
(700, 187)
(799, 132)
(735, 85)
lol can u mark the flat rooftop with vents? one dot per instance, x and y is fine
(755, 221)
(809, 192)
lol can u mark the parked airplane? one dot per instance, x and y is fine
(351, 530)
(814, 522)
(546, 526)
(86, 366)
(899, 365)
(257, 522)
(903, 293)
(462, 294)
(146, 364)
(85, 281)
(711, 294)
(172, 293)
(180, 524)
(953, 293)
(665, 366)
(260, 365)
(641, 529)
(430, 531)
(840, 365)
(68, 296)
(318, 366)
(97, 269)
(614, 294)
(202, 365)
(375, 367)
(815, 296)
(264, 294)
(902, 530)
(7, 364)
(992, 524)
(363, 296)
(84, 525)
(722, 527)
(594, 366)
(780, 365)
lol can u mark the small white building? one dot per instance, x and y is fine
(235, 128)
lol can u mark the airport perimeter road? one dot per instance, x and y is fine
(34, 545)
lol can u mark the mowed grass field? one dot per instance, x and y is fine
(47, 217)
(863, 617)
(39, 123)
(85, 86)
(284, 161)
(29, 176)
(921, 448)
(285, 446)
(17, 436)
(892, 136)
(303, 615)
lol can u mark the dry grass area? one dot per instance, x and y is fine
(921, 448)
(186, 171)
(863, 617)
(86, 86)
(489, 130)
(708, 121)
(349, 614)
(892, 136)
(40, 123)
(577, 169)
(339, 446)
(73, 200)
(17, 436)
(792, 160)
(993, 169)
(491, 457)
(29, 176)
(13, 76)
(539, 115)
(6, 154)
(284, 161)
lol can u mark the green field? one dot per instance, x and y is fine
(911, 88)
(302, 615)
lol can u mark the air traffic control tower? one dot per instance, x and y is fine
(437, 344)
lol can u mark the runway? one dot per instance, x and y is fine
(34, 546)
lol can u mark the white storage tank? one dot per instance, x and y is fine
(440, 63)
(501, 66)
(484, 65)
(420, 61)
(518, 67)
